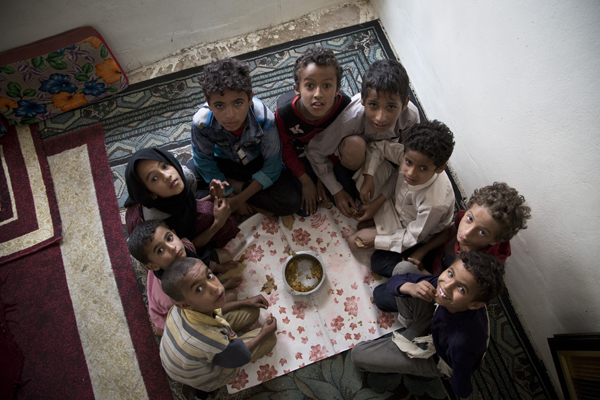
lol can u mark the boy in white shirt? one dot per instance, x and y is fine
(415, 203)
(381, 112)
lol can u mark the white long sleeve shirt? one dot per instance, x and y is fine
(413, 214)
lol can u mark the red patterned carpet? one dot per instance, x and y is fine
(76, 312)
(29, 217)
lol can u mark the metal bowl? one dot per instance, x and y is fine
(307, 266)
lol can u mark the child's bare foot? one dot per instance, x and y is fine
(272, 216)
(232, 283)
(267, 214)
(229, 265)
(157, 331)
(223, 268)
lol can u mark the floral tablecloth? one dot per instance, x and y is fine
(309, 328)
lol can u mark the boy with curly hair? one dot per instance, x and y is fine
(459, 325)
(313, 104)
(415, 203)
(235, 140)
(494, 215)
(381, 112)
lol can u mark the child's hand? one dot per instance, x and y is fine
(367, 189)
(156, 330)
(367, 243)
(221, 211)
(270, 326)
(258, 301)
(217, 188)
(366, 212)
(345, 203)
(322, 194)
(422, 290)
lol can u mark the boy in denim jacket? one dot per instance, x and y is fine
(235, 140)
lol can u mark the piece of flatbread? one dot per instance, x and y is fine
(269, 285)
(359, 242)
(288, 222)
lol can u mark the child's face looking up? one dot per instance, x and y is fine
(160, 178)
(477, 229)
(457, 289)
(417, 168)
(382, 109)
(164, 249)
(230, 109)
(202, 291)
(318, 87)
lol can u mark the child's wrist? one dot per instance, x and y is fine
(305, 179)
(404, 288)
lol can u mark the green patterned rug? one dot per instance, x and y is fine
(158, 113)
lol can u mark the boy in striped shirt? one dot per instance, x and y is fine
(200, 346)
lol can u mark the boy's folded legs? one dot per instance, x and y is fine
(413, 314)
(384, 300)
(281, 198)
(242, 318)
(262, 348)
(344, 177)
(383, 356)
(383, 262)
(405, 267)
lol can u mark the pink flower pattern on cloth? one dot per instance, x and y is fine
(309, 328)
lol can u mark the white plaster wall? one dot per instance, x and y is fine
(140, 32)
(518, 84)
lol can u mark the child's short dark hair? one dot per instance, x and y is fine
(386, 76)
(433, 139)
(141, 236)
(173, 274)
(487, 271)
(226, 74)
(321, 57)
(505, 205)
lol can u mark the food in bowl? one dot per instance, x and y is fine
(303, 273)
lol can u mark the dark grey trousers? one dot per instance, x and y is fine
(382, 355)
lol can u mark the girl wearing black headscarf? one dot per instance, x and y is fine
(164, 187)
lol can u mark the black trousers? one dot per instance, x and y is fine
(281, 198)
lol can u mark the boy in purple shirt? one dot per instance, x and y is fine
(459, 324)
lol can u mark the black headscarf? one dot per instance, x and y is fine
(182, 207)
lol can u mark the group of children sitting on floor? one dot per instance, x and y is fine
(377, 162)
